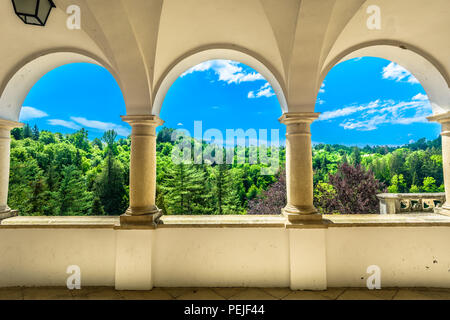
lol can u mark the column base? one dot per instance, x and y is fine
(300, 213)
(444, 210)
(8, 213)
(140, 218)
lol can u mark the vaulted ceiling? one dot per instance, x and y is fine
(140, 41)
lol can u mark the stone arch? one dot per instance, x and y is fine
(17, 86)
(192, 59)
(429, 72)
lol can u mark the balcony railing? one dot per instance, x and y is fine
(392, 203)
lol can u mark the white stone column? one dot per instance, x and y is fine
(299, 170)
(5, 140)
(444, 120)
(142, 209)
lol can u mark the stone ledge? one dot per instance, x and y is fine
(60, 222)
(226, 221)
(394, 220)
(411, 195)
(232, 221)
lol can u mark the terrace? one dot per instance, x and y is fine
(146, 47)
(232, 294)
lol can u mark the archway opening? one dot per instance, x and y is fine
(222, 145)
(72, 155)
(373, 137)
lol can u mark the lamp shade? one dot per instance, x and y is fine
(34, 12)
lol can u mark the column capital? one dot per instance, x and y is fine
(441, 118)
(444, 120)
(143, 120)
(298, 117)
(9, 124)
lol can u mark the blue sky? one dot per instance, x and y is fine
(362, 101)
(372, 101)
(75, 96)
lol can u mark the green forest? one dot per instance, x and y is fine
(69, 174)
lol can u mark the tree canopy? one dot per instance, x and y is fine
(56, 174)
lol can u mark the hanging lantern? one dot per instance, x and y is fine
(33, 12)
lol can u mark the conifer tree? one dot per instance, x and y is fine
(183, 189)
(221, 186)
(110, 187)
(232, 201)
(110, 183)
(27, 132)
(72, 197)
(39, 202)
(97, 207)
(35, 133)
(226, 191)
(110, 137)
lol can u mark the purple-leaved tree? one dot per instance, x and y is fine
(354, 191)
(272, 200)
(351, 190)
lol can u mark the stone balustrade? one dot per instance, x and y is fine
(392, 203)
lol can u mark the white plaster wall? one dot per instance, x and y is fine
(40, 257)
(402, 253)
(252, 257)
(258, 257)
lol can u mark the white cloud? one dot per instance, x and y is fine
(370, 116)
(264, 91)
(322, 88)
(226, 70)
(204, 66)
(413, 80)
(179, 124)
(420, 96)
(64, 123)
(327, 115)
(366, 125)
(104, 126)
(396, 72)
(320, 101)
(28, 113)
